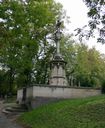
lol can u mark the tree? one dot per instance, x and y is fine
(85, 67)
(90, 67)
(97, 22)
(68, 52)
(25, 26)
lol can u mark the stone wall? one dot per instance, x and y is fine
(57, 92)
(64, 92)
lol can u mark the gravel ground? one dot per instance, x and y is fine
(6, 122)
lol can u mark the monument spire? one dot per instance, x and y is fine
(58, 36)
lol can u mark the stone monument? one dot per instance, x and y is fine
(57, 65)
(57, 89)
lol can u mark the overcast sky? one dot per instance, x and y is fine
(77, 11)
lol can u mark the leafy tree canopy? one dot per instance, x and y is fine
(97, 22)
(24, 27)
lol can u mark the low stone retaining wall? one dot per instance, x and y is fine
(55, 92)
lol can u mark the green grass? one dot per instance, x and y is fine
(75, 113)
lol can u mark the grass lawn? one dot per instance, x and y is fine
(75, 113)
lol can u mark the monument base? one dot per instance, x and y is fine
(58, 76)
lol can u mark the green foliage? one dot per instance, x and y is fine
(89, 66)
(85, 67)
(97, 14)
(24, 27)
(78, 113)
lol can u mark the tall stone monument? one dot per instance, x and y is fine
(57, 65)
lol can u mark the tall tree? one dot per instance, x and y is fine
(25, 26)
(85, 67)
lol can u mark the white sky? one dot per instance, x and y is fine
(77, 11)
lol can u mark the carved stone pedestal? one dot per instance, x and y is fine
(58, 77)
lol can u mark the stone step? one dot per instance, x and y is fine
(20, 107)
(6, 112)
(17, 107)
(12, 109)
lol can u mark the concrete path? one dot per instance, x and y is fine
(6, 122)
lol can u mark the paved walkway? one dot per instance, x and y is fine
(6, 122)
